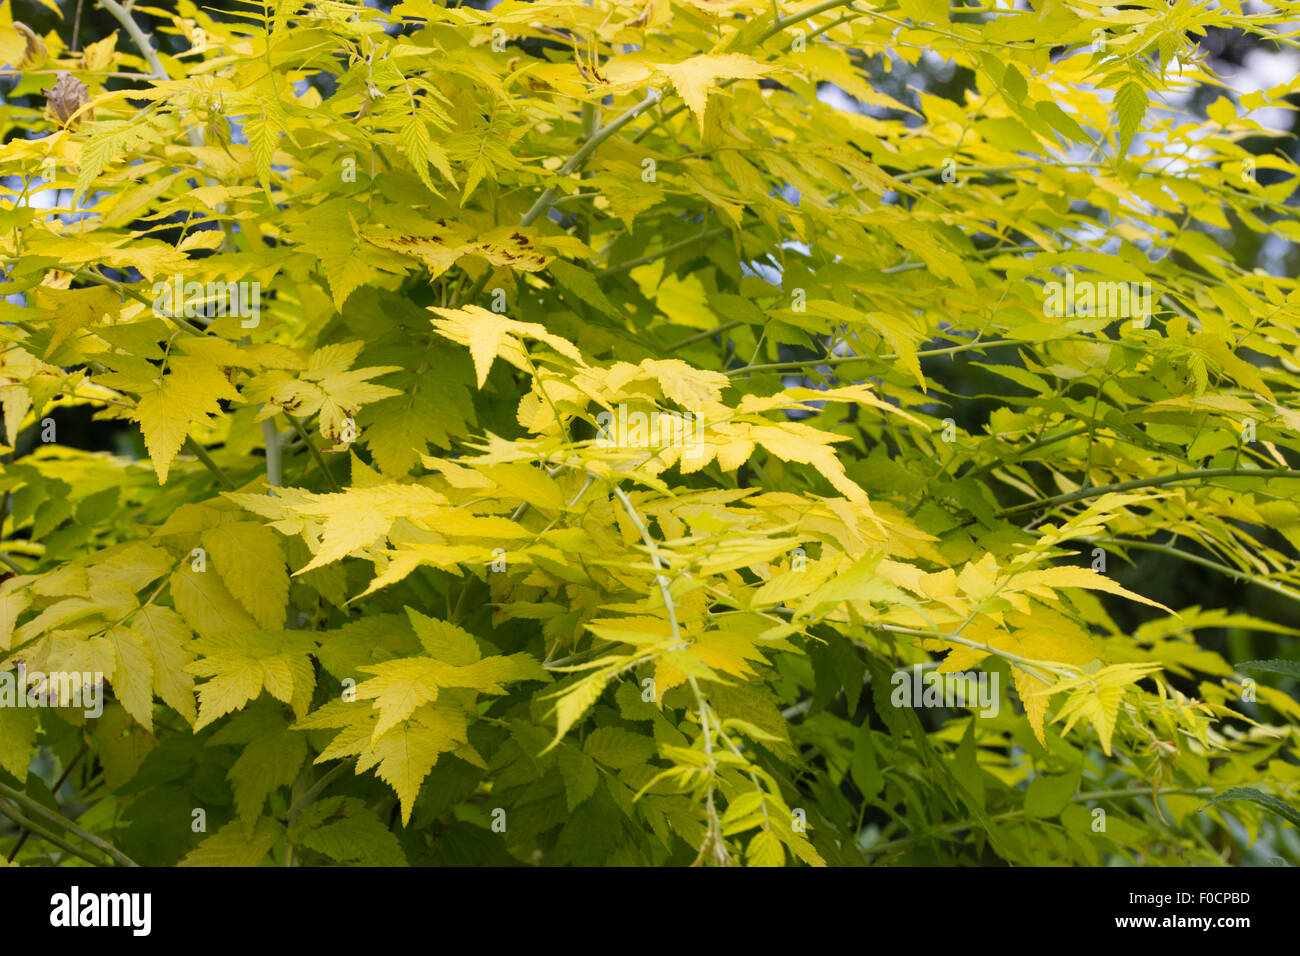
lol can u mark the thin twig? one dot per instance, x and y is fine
(76, 28)
(708, 334)
(315, 452)
(577, 159)
(905, 842)
(63, 778)
(866, 357)
(1234, 573)
(48, 836)
(574, 162)
(1154, 481)
(138, 37)
(17, 796)
(666, 250)
(201, 453)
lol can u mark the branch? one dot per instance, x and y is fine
(802, 15)
(1012, 814)
(666, 250)
(1234, 573)
(17, 796)
(30, 828)
(138, 37)
(590, 146)
(654, 558)
(193, 447)
(108, 74)
(63, 777)
(201, 453)
(708, 334)
(980, 170)
(1026, 664)
(1152, 482)
(1026, 449)
(141, 40)
(547, 198)
(301, 803)
(776, 27)
(846, 359)
(76, 28)
(318, 787)
(713, 834)
(90, 275)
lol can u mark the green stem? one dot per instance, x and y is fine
(1032, 446)
(315, 452)
(137, 36)
(776, 27)
(90, 275)
(701, 702)
(201, 453)
(590, 146)
(1234, 573)
(60, 782)
(274, 454)
(192, 135)
(905, 842)
(1028, 665)
(63, 777)
(716, 330)
(301, 803)
(1154, 481)
(574, 162)
(27, 803)
(1017, 167)
(802, 15)
(846, 359)
(319, 786)
(666, 250)
(35, 829)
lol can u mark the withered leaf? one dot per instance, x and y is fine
(65, 98)
(34, 54)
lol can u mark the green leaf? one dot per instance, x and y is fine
(581, 776)
(1130, 108)
(864, 766)
(230, 846)
(263, 138)
(271, 759)
(764, 849)
(1049, 794)
(1275, 666)
(618, 748)
(250, 560)
(580, 283)
(966, 767)
(1265, 800)
(347, 832)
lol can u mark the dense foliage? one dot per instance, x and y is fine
(617, 415)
